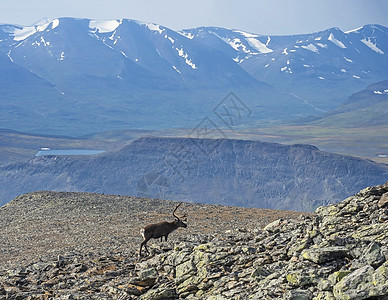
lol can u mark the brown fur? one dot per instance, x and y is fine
(160, 230)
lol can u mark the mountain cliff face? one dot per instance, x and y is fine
(127, 73)
(340, 252)
(220, 171)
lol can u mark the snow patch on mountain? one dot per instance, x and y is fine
(41, 41)
(188, 35)
(62, 56)
(311, 47)
(255, 43)
(335, 41)
(153, 27)
(21, 33)
(9, 55)
(236, 44)
(368, 42)
(188, 61)
(348, 59)
(286, 69)
(175, 68)
(104, 26)
(246, 34)
(55, 23)
(170, 39)
(113, 35)
(354, 30)
(385, 92)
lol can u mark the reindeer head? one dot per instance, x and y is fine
(179, 220)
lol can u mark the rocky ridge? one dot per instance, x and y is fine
(243, 173)
(340, 252)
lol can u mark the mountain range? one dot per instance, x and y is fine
(329, 59)
(79, 76)
(211, 171)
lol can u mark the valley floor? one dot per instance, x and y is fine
(364, 142)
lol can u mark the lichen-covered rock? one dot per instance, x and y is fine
(324, 296)
(162, 292)
(274, 226)
(383, 200)
(380, 281)
(298, 295)
(322, 255)
(337, 276)
(300, 278)
(356, 285)
(372, 255)
(260, 272)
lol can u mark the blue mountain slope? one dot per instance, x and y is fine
(368, 107)
(132, 74)
(310, 64)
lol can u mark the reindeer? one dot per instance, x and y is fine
(162, 229)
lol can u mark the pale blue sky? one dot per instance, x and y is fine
(258, 16)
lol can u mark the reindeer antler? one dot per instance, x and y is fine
(173, 213)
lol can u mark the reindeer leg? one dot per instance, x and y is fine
(141, 246)
(144, 243)
(145, 246)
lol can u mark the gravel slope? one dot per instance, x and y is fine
(42, 225)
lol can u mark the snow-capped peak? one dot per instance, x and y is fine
(152, 27)
(104, 26)
(20, 33)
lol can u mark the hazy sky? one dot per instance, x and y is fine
(258, 16)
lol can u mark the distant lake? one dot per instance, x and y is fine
(68, 152)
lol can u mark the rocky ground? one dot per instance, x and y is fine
(340, 252)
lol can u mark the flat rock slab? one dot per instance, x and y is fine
(322, 255)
